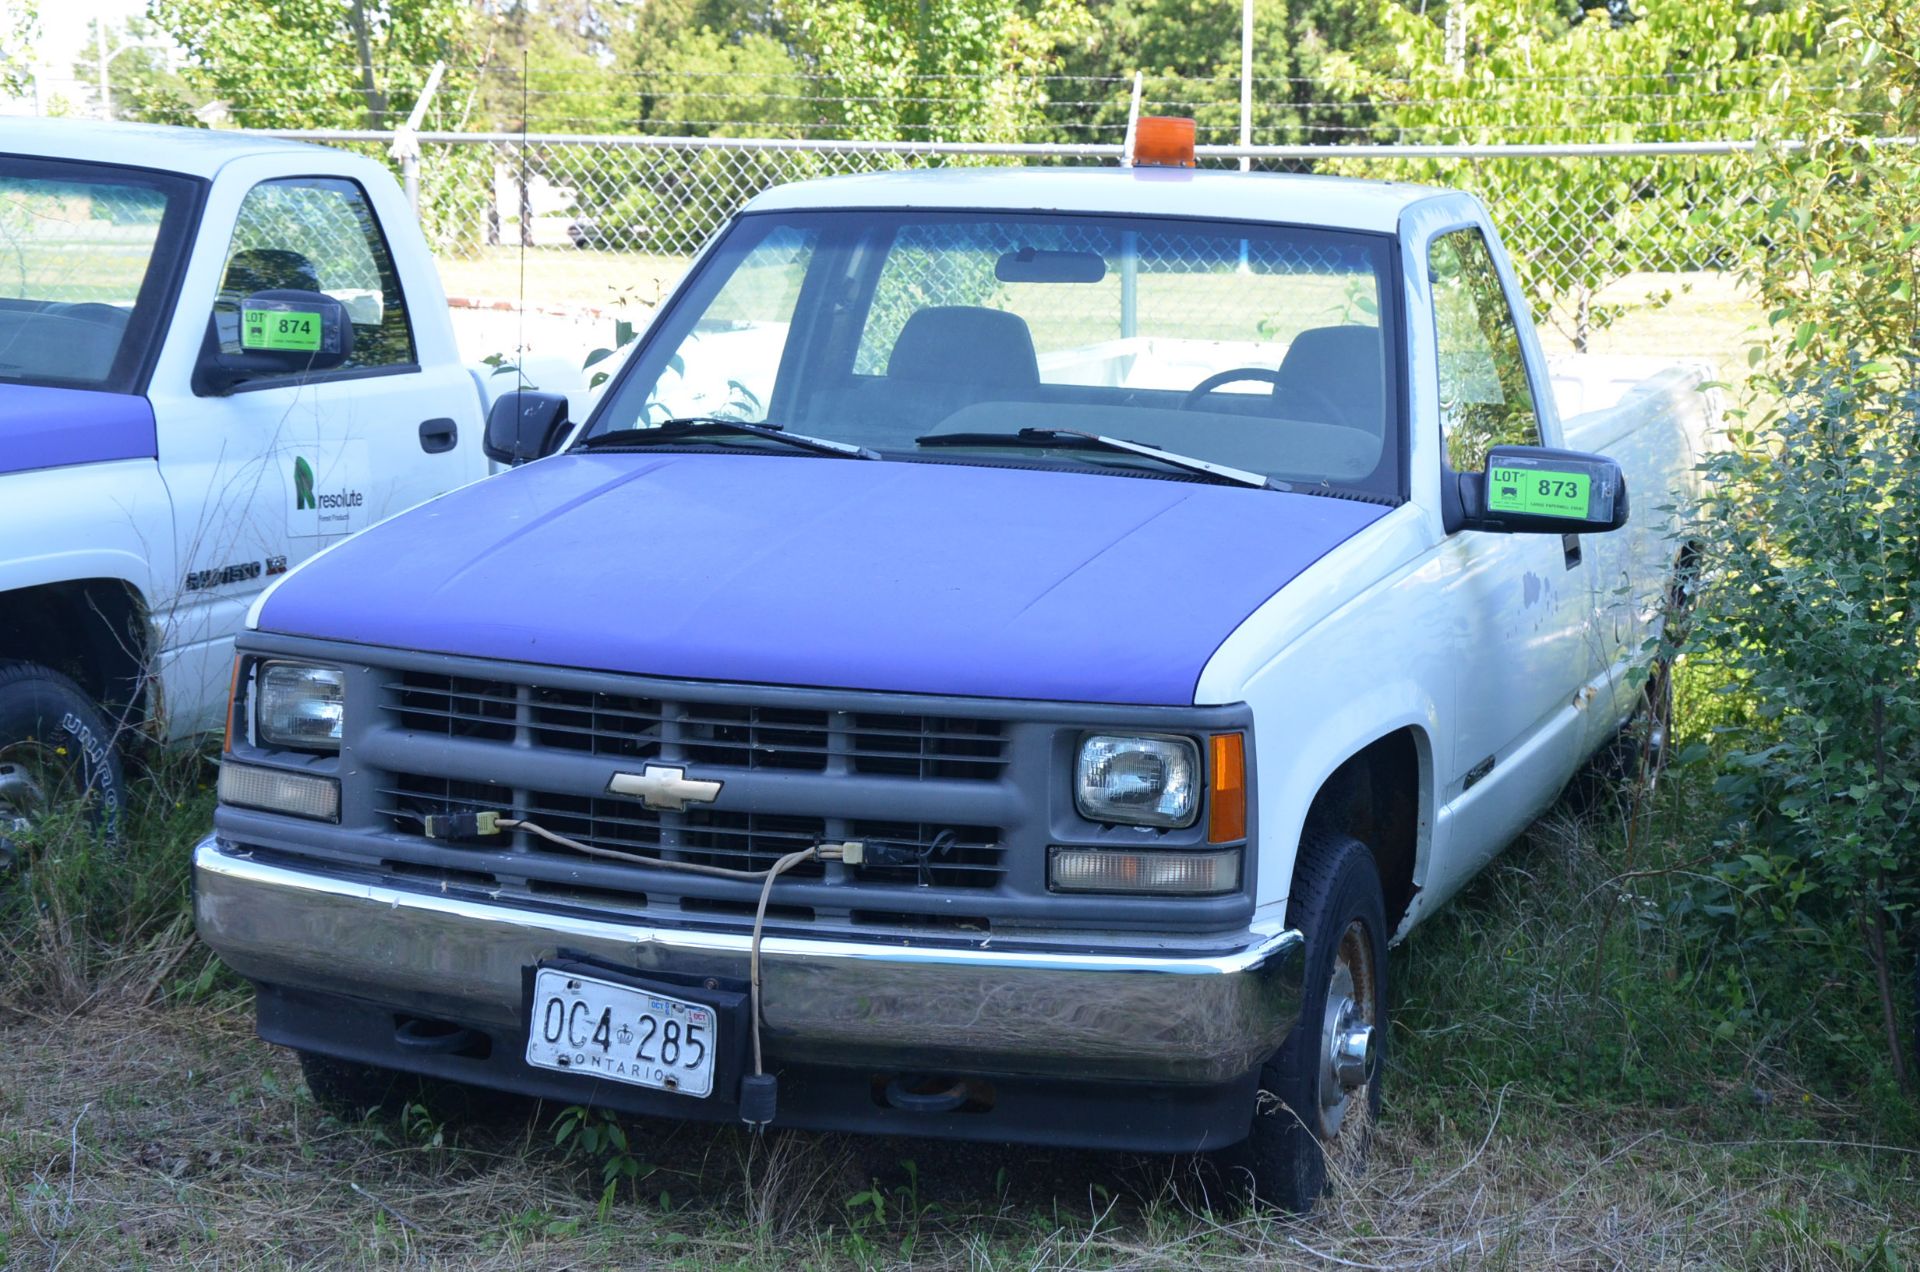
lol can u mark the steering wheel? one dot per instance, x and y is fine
(1329, 411)
(93, 311)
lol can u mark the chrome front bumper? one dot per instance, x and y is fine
(1130, 1016)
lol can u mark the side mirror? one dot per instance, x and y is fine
(280, 333)
(524, 425)
(1538, 490)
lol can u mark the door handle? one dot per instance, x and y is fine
(438, 436)
(1570, 544)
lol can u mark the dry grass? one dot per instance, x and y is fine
(135, 1137)
(1698, 315)
(561, 276)
(1568, 1088)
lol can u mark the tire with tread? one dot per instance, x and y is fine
(39, 705)
(1284, 1162)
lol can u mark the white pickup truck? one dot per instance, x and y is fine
(1003, 660)
(218, 355)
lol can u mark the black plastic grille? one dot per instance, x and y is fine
(941, 856)
(709, 735)
(735, 735)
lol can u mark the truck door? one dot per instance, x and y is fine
(398, 423)
(266, 474)
(1519, 605)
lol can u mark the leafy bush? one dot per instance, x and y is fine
(1814, 616)
(1813, 527)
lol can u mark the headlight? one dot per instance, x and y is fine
(298, 705)
(1140, 781)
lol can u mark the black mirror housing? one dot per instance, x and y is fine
(1540, 490)
(525, 425)
(281, 333)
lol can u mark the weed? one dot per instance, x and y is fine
(84, 918)
(598, 1136)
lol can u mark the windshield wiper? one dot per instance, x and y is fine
(682, 428)
(1045, 437)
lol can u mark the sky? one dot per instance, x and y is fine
(63, 25)
(63, 41)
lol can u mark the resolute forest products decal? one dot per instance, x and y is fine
(330, 491)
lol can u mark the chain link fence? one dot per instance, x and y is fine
(605, 223)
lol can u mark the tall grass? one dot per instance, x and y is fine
(1570, 1085)
(84, 919)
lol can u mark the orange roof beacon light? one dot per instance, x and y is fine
(1163, 141)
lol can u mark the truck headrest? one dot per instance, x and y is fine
(954, 344)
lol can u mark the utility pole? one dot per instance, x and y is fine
(1246, 81)
(100, 51)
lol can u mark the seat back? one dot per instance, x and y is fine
(258, 269)
(966, 344)
(1335, 375)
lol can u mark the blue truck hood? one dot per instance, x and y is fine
(51, 428)
(915, 577)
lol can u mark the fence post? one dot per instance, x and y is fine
(406, 139)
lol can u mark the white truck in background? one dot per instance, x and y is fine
(218, 355)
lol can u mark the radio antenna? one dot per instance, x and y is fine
(526, 235)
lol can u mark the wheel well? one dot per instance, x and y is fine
(1375, 797)
(91, 630)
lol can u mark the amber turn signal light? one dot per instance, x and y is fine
(1227, 800)
(233, 695)
(1163, 141)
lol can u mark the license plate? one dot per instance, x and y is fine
(595, 1027)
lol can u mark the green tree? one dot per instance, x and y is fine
(19, 33)
(958, 70)
(1518, 72)
(703, 84)
(551, 67)
(141, 83)
(1812, 615)
(314, 63)
(1189, 53)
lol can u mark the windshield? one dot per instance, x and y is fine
(87, 258)
(940, 336)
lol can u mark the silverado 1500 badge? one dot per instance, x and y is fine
(664, 786)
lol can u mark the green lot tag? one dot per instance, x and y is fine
(280, 329)
(1537, 492)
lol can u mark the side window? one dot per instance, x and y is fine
(317, 234)
(1485, 397)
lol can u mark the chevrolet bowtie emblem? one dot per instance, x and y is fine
(664, 786)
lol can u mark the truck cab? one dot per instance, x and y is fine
(162, 461)
(1002, 660)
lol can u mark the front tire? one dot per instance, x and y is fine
(56, 751)
(1320, 1094)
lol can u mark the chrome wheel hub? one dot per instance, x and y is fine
(1347, 1039)
(1351, 1053)
(20, 798)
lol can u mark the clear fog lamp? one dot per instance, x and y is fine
(1138, 781)
(299, 705)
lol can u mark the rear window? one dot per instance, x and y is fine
(88, 259)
